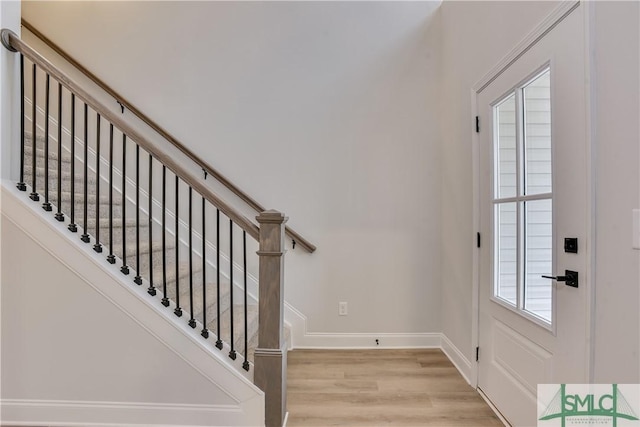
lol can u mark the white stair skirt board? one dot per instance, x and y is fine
(242, 402)
(39, 412)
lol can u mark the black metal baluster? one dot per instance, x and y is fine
(21, 185)
(219, 341)
(205, 331)
(125, 268)
(72, 226)
(138, 279)
(59, 215)
(232, 353)
(111, 258)
(178, 310)
(46, 205)
(245, 365)
(192, 321)
(34, 194)
(165, 299)
(97, 246)
(85, 236)
(152, 290)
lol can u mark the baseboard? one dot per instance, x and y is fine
(369, 340)
(72, 413)
(302, 339)
(457, 358)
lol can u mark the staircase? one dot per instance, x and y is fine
(149, 250)
(156, 222)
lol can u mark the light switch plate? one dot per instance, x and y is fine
(636, 229)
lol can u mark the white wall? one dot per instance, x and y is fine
(326, 111)
(475, 37)
(136, 365)
(617, 303)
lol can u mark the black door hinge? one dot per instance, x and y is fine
(478, 239)
(477, 124)
(477, 353)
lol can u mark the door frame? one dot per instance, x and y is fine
(554, 18)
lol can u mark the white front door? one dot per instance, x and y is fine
(534, 194)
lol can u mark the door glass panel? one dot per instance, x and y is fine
(507, 252)
(522, 168)
(538, 257)
(537, 138)
(505, 114)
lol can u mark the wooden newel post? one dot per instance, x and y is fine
(271, 355)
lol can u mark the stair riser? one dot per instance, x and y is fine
(79, 197)
(183, 286)
(79, 208)
(117, 233)
(144, 259)
(238, 326)
(212, 310)
(78, 190)
(53, 165)
(53, 157)
(66, 179)
(78, 204)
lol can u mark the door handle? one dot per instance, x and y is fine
(570, 278)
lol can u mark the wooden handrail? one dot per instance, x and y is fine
(166, 135)
(13, 42)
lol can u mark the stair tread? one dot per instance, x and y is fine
(117, 222)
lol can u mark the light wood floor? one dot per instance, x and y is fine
(381, 388)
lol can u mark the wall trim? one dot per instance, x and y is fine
(457, 358)
(43, 412)
(315, 340)
(553, 19)
(301, 338)
(591, 106)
